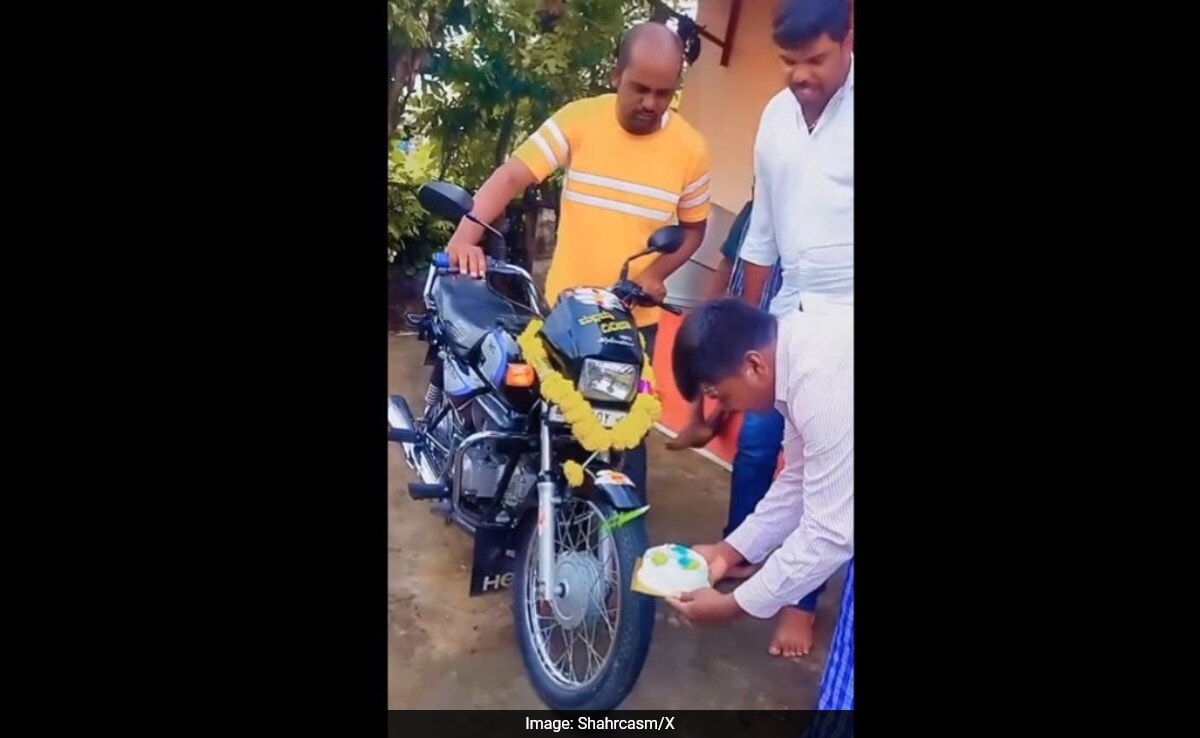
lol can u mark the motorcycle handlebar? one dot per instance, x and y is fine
(441, 265)
(441, 262)
(632, 293)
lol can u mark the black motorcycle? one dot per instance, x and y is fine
(490, 451)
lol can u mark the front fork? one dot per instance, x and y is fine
(547, 515)
(546, 489)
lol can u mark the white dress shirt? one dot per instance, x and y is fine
(808, 513)
(804, 200)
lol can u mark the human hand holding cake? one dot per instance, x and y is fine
(684, 576)
(721, 559)
(706, 607)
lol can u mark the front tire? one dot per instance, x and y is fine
(562, 645)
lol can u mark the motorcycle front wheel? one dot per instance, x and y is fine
(585, 649)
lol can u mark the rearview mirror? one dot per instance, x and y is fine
(665, 240)
(445, 200)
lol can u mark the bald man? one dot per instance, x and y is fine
(631, 166)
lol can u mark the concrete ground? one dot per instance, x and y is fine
(449, 651)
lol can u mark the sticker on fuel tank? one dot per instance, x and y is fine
(596, 318)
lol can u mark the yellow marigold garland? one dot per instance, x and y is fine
(591, 434)
(573, 471)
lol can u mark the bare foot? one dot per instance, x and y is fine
(695, 435)
(794, 634)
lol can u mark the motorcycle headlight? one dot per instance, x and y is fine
(608, 381)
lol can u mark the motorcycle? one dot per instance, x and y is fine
(492, 454)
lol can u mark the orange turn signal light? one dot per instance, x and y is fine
(519, 375)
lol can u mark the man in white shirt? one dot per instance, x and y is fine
(802, 220)
(803, 366)
(804, 164)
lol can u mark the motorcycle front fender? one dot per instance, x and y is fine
(611, 486)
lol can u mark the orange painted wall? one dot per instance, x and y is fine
(724, 103)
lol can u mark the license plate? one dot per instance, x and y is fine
(607, 418)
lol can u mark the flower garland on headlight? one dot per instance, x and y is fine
(557, 390)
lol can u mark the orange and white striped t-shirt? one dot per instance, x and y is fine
(619, 189)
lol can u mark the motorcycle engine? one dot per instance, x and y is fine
(483, 468)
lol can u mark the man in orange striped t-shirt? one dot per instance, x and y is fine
(632, 166)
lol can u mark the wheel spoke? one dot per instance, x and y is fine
(566, 652)
(594, 577)
(587, 641)
(571, 650)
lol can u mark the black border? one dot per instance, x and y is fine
(689, 723)
(266, 260)
(262, 216)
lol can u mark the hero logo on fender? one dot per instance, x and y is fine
(498, 581)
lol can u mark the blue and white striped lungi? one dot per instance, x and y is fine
(837, 683)
(835, 706)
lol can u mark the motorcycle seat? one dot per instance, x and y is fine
(469, 310)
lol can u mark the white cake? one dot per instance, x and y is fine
(671, 569)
